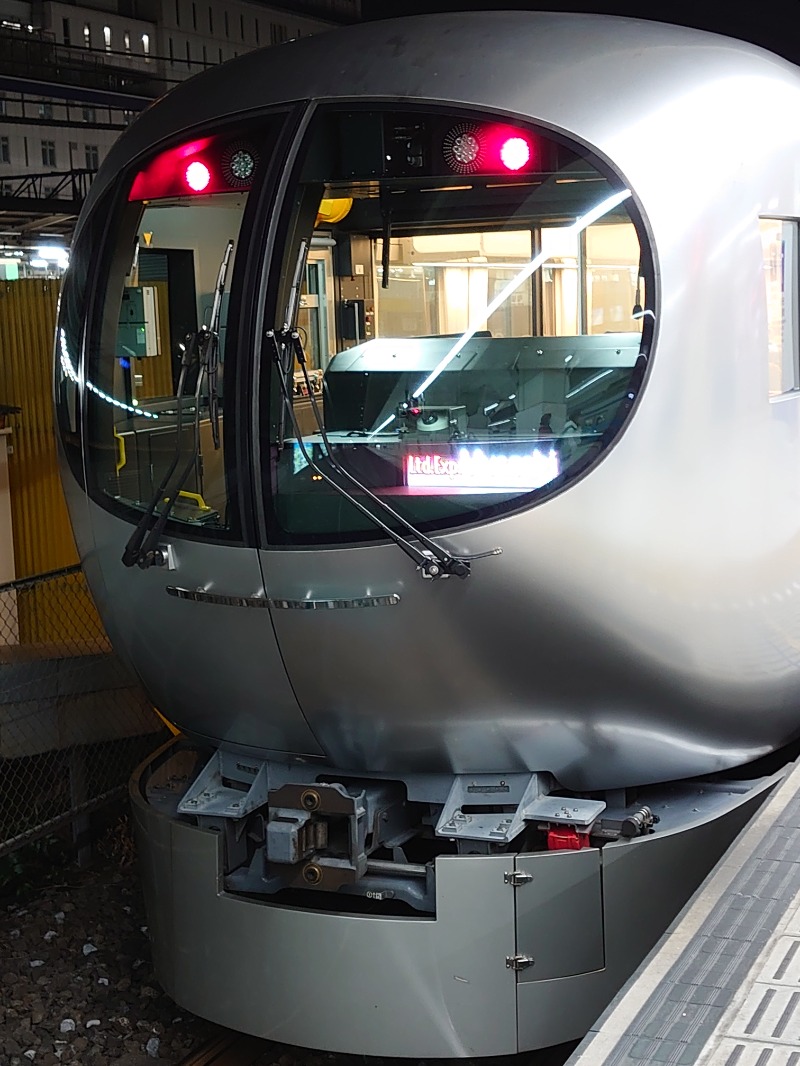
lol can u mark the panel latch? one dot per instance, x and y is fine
(519, 962)
(517, 877)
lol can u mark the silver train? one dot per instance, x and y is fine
(428, 399)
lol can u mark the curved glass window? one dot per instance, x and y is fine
(69, 340)
(160, 353)
(492, 293)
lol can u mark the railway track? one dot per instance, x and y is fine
(228, 1049)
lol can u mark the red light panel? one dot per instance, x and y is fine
(204, 165)
(515, 153)
(474, 148)
(197, 176)
(166, 175)
(508, 149)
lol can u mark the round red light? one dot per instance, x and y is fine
(515, 153)
(197, 176)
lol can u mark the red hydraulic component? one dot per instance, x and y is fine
(565, 838)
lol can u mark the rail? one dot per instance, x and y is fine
(226, 1048)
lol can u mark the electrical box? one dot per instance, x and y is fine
(137, 336)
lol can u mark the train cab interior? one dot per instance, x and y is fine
(455, 308)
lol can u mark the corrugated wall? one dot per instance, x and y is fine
(42, 534)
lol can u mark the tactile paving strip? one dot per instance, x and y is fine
(731, 997)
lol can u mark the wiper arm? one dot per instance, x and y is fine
(133, 549)
(204, 349)
(418, 557)
(212, 344)
(434, 561)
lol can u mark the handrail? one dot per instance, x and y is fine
(38, 579)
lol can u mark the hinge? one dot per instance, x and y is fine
(517, 877)
(519, 962)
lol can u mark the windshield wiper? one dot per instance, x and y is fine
(432, 560)
(203, 349)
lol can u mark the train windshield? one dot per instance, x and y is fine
(474, 301)
(161, 348)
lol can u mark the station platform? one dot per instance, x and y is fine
(722, 986)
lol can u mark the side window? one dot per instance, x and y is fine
(161, 353)
(779, 242)
(589, 281)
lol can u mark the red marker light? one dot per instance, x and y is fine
(197, 176)
(515, 153)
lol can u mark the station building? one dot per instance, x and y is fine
(75, 75)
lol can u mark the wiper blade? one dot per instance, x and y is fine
(203, 348)
(433, 561)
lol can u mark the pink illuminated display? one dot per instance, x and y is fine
(166, 174)
(480, 471)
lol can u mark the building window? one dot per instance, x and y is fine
(171, 50)
(227, 26)
(241, 26)
(89, 115)
(65, 31)
(5, 150)
(188, 55)
(49, 153)
(87, 35)
(257, 36)
(45, 109)
(205, 56)
(177, 12)
(779, 245)
(210, 21)
(92, 156)
(194, 16)
(146, 45)
(107, 38)
(126, 37)
(277, 33)
(220, 55)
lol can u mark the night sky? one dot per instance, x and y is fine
(773, 24)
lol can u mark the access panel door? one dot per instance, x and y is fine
(559, 926)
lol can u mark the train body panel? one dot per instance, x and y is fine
(665, 579)
(434, 386)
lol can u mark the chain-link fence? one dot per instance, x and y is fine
(74, 721)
